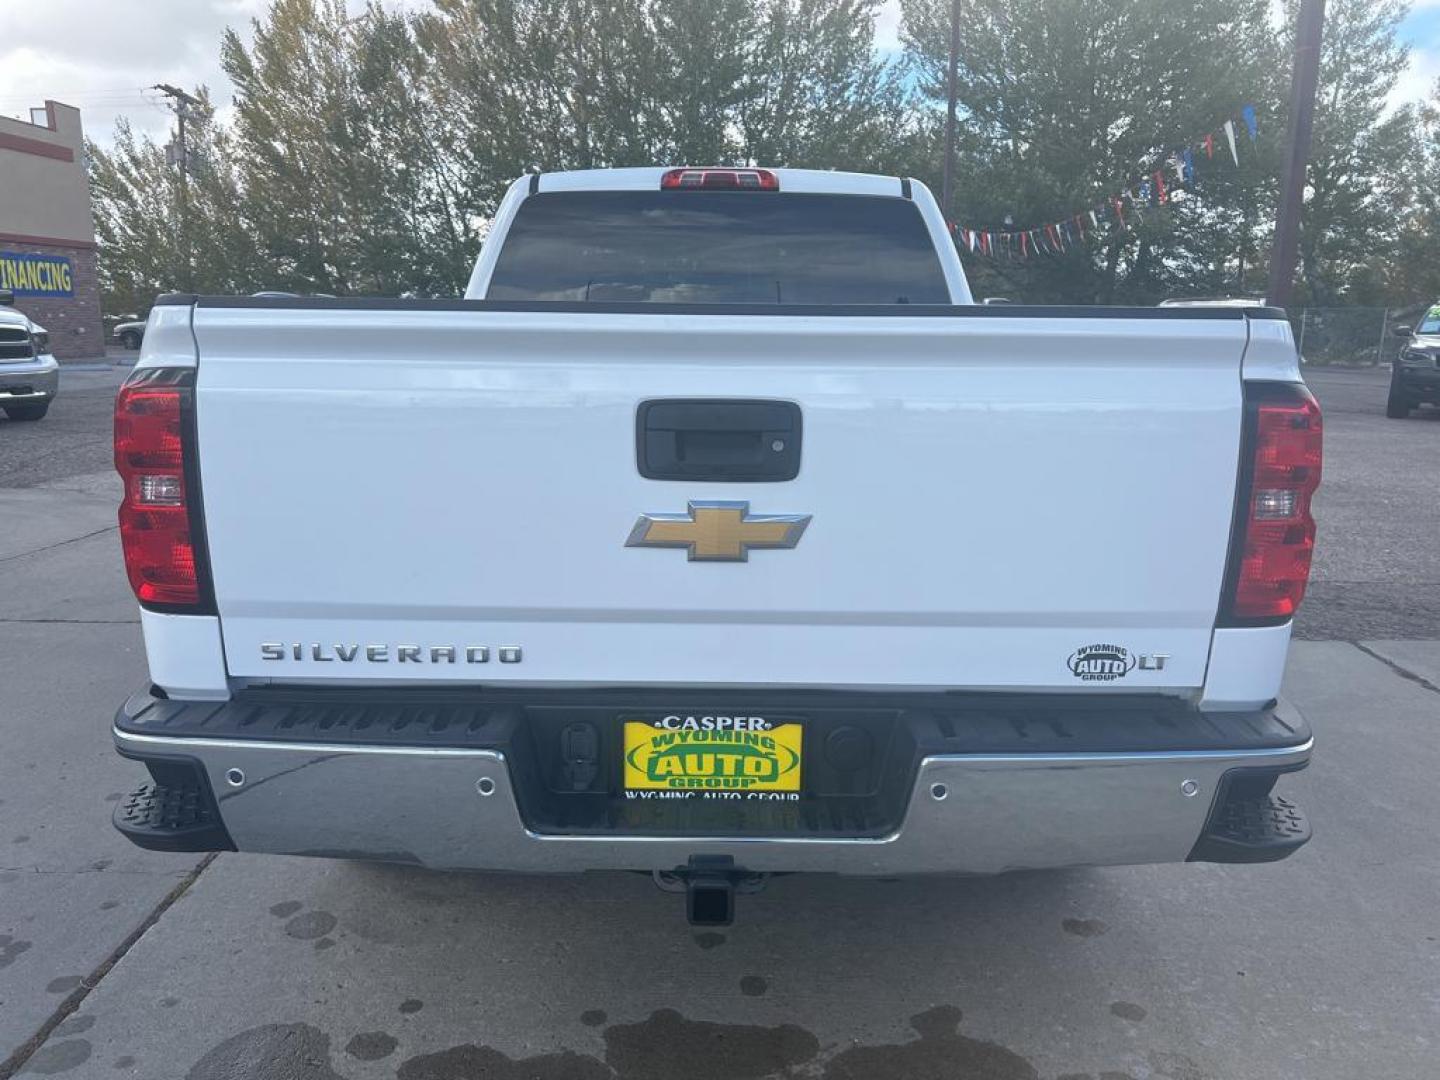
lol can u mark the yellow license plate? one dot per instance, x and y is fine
(657, 759)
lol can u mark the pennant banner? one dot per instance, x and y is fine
(1173, 172)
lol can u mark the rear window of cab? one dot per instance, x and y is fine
(718, 247)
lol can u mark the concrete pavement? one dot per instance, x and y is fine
(71, 890)
(121, 963)
(1321, 966)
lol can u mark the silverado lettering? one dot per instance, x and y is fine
(383, 654)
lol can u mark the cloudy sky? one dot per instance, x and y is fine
(102, 55)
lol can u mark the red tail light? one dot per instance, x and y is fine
(1274, 536)
(154, 456)
(717, 179)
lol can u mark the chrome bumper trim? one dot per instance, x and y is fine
(425, 806)
(42, 378)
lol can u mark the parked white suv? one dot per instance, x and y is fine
(29, 374)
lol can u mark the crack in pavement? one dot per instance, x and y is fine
(26, 1050)
(59, 543)
(1403, 672)
(75, 622)
(33, 869)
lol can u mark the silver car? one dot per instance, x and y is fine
(129, 335)
(29, 374)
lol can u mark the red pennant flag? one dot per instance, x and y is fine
(1120, 212)
(1209, 146)
(1024, 248)
(1160, 185)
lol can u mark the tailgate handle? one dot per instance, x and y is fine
(717, 439)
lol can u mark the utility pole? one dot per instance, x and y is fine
(1308, 28)
(947, 190)
(178, 153)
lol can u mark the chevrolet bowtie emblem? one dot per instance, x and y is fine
(718, 531)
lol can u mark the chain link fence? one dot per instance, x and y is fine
(1350, 336)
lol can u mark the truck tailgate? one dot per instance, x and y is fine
(1008, 500)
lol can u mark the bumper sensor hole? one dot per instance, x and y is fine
(234, 777)
(485, 786)
(938, 792)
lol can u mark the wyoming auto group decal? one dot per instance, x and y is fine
(1106, 663)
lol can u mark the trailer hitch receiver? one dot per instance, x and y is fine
(710, 883)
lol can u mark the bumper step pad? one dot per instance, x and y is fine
(165, 818)
(1264, 829)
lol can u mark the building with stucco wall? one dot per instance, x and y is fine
(47, 234)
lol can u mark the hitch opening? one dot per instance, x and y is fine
(710, 900)
(710, 883)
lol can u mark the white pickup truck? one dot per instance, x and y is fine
(716, 533)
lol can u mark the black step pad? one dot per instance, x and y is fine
(1264, 829)
(165, 818)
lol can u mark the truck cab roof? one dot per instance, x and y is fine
(802, 181)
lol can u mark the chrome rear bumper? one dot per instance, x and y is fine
(452, 808)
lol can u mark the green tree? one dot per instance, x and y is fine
(816, 93)
(1061, 101)
(1360, 176)
(342, 181)
(367, 154)
(604, 83)
(159, 232)
(1415, 273)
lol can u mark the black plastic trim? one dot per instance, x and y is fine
(1245, 785)
(942, 311)
(534, 183)
(181, 774)
(660, 421)
(954, 723)
(905, 192)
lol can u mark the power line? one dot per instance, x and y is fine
(97, 92)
